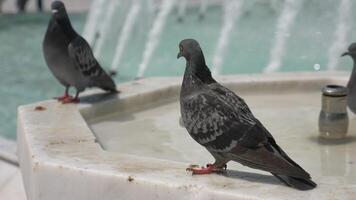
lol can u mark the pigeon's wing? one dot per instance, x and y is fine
(231, 98)
(213, 122)
(83, 58)
(224, 125)
(265, 155)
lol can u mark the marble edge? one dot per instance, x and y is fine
(8, 151)
(42, 154)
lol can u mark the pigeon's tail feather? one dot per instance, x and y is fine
(298, 183)
(105, 82)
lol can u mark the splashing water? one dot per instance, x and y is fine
(154, 35)
(182, 6)
(341, 34)
(285, 22)
(125, 34)
(91, 25)
(112, 7)
(203, 8)
(232, 10)
(317, 67)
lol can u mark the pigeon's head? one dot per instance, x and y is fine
(189, 48)
(58, 9)
(351, 51)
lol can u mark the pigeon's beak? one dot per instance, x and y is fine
(345, 54)
(179, 55)
(54, 11)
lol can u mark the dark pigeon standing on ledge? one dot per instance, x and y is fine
(221, 121)
(351, 85)
(70, 57)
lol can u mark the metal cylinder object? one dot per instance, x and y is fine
(333, 118)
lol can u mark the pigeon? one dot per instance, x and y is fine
(70, 58)
(221, 121)
(21, 5)
(351, 85)
(1, 2)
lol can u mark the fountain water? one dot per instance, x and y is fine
(125, 34)
(341, 34)
(181, 9)
(203, 8)
(150, 29)
(150, 5)
(112, 6)
(285, 22)
(232, 9)
(91, 26)
(154, 34)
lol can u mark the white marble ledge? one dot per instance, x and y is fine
(8, 151)
(11, 186)
(60, 159)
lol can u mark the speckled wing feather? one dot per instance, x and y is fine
(214, 121)
(222, 122)
(232, 99)
(83, 58)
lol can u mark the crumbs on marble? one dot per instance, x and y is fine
(56, 142)
(130, 179)
(187, 187)
(35, 166)
(39, 108)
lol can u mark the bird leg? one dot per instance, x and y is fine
(65, 96)
(209, 169)
(70, 99)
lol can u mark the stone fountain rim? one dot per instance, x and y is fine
(59, 138)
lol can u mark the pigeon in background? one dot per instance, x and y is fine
(1, 2)
(221, 121)
(351, 85)
(70, 57)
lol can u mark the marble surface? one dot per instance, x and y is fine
(11, 186)
(8, 151)
(61, 158)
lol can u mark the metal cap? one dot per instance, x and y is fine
(335, 90)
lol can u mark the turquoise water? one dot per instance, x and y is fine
(25, 78)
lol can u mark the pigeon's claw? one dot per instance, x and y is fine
(70, 99)
(61, 98)
(209, 169)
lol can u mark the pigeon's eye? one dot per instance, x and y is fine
(180, 48)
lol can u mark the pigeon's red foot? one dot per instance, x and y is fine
(61, 98)
(209, 169)
(70, 99)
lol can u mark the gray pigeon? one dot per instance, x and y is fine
(221, 121)
(70, 57)
(351, 85)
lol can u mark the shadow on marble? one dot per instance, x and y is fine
(98, 97)
(325, 141)
(252, 177)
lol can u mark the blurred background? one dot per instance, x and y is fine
(139, 38)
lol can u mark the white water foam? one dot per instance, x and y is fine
(232, 10)
(91, 24)
(284, 24)
(341, 34)
(154, 35)
(105, 30)
(125, 33)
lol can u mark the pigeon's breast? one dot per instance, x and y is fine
(55, 52)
